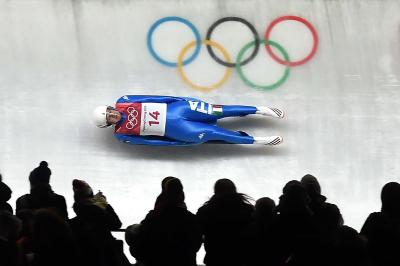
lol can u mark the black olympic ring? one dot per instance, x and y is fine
(237, 19)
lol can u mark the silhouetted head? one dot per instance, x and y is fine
(10, 226)
(49, 229)
(40, 175)
(5, 192)
(224, 187)
(161, 199)
(174, 194)
(82, 190)
(390, 197)
(294, 190)
(311, 185)
(165, 180)
(225, 191)
(294, 196)
(132, 234)
(349, 247)
(264, 208)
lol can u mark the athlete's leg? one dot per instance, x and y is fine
(234, 110)
(198, 132)
(238, 137)
(202, 111)
(221, 111)
(216, 133)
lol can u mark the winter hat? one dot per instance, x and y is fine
(40, 175)
(82, 190)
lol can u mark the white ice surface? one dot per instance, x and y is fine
(60, 59)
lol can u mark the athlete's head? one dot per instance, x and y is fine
(105, 116)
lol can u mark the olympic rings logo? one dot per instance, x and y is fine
(226, 61)
(132, 118)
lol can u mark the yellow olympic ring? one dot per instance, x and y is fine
(181, 56)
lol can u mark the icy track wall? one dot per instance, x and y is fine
(60, 59)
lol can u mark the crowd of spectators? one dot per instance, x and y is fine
(301, 229)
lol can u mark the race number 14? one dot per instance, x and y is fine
(154, 115)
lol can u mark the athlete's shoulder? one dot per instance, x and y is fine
(153, 98)
(131, 98)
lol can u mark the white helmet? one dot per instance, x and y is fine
(100, 116)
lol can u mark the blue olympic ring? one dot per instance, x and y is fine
(178, 19)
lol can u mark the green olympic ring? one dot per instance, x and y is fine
(263, 87)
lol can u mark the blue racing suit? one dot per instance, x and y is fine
(189, 121)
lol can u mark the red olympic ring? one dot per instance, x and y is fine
(307, 24)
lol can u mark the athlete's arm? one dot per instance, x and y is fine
(147, 140)
(151, 99)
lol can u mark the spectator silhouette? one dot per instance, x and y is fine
(42, 195)
(92, 226)
(161, 198)
(337, 245)
(52, 240)
(135, 242)
(133, 236)
(5, 195)
(318, 204)
(24, 242)
(170, 233)
(295, 226)
(260, 236)
(382, 229)
(223, 220)
(9, 230)
(347, 249)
